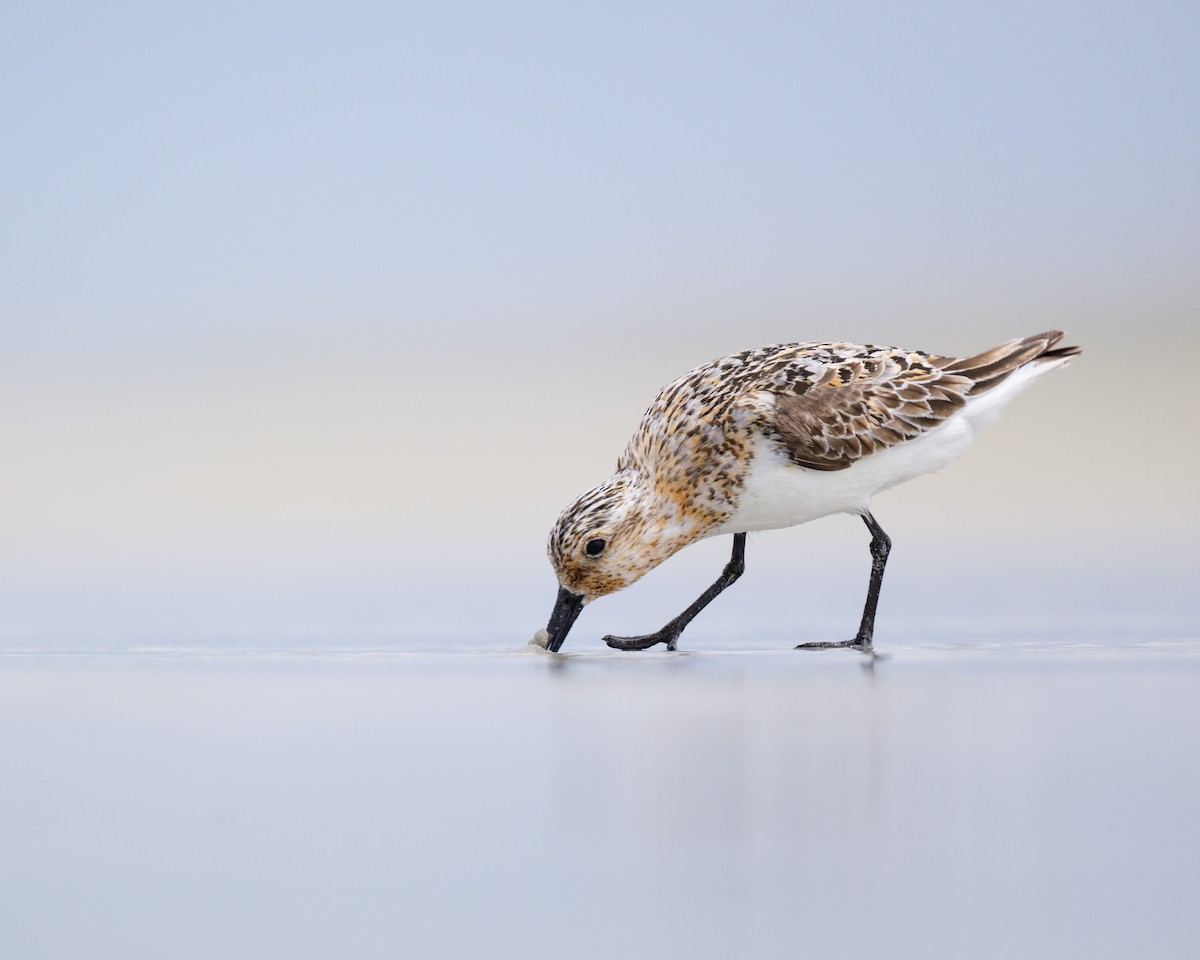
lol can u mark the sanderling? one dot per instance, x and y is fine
(771, 438)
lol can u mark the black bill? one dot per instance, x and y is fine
(566, 608)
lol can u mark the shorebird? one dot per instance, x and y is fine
(771, 438)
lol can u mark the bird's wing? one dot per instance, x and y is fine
(859, 402)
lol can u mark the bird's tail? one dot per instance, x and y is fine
(992, 367)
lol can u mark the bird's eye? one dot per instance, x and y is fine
(594, 547)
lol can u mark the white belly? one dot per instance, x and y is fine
(778, 493)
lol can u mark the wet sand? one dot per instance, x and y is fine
(1030, 797)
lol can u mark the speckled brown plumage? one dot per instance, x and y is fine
(828, 406)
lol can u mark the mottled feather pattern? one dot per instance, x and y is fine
(884, 396)
(828, 405)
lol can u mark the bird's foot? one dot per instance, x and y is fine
(861, 644)
(643, 642)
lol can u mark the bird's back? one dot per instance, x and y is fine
(825, 408)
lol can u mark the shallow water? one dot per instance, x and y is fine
(1022, 797)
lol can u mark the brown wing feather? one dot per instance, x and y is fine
(992, 367)
(835, 424)
(860, 408)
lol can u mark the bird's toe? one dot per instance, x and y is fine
(641, 643)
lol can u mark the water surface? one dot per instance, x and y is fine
(1029, 797)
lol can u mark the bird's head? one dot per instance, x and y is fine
(604, 541)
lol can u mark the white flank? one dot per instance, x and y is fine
(778, 493)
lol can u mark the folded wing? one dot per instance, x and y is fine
(882, 398)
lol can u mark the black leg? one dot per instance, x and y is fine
(881, 544)
(670, 633)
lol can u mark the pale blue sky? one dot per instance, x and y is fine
(216, 170)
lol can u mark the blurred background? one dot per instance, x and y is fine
(315, 316)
